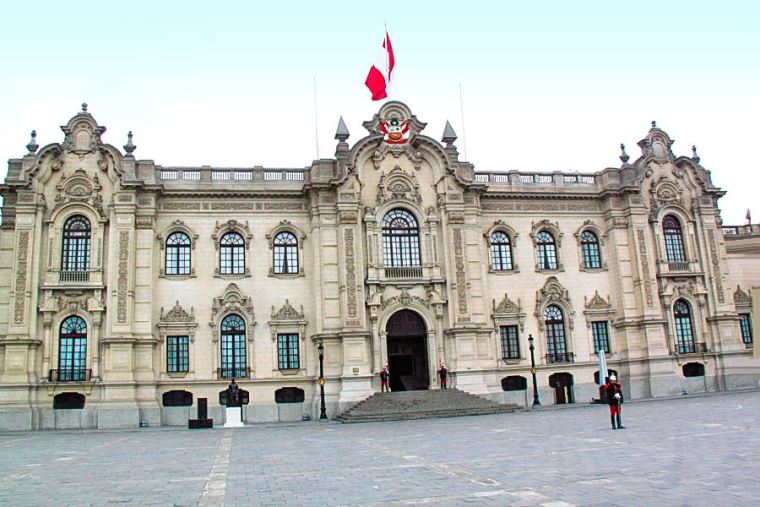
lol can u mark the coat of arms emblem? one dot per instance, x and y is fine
(395, 130)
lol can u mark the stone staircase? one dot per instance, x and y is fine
(405, 405)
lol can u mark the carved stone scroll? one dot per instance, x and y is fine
(21, 276)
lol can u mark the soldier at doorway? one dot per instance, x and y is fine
(443, 374)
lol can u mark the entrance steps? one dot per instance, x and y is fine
(403, 405)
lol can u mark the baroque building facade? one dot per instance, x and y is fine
(128, 289)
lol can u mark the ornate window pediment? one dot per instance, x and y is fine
(286, 322)
(177, 315)
(81, 189)
(398, 185)
(553, 293)
(232, 225)
(598, 308)
(741, 298)
(286, 250)
(508, 312)
(232, 301)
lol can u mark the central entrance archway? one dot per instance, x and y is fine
(407, 351)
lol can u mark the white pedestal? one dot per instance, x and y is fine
(233, 417)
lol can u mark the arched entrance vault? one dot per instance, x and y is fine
(408, 351)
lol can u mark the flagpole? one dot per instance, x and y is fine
(461, 112)
(316, 118)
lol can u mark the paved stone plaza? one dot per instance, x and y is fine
(686, 451)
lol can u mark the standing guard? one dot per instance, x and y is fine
(385, 375)
(443, 373)
(614, 391)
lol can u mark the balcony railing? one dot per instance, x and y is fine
(691, 348)
(233, 372)
(678, 266)
(70, 375)
(560, 357)
(410, 272)
(74, 276)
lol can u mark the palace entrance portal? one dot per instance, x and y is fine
(407, 352)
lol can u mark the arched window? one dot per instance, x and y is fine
(232, 254)
(401, 242)
(76, 244)
(684, 330)
(234, 363)
(285, 253)
(177, 254)
(547, 251)
(556, 344)
(72, 350)
(590, 249)
(501, 252)
(671, 228)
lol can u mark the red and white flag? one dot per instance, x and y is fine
(380, 74)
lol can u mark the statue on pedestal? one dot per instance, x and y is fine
(233, 395)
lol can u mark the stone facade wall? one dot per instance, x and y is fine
(344, 293)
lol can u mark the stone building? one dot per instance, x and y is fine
(128, 289)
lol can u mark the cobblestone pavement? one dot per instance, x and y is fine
(690, 451)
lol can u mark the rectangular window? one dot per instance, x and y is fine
(601, 336)
(177, 354)
(510, 347)
(287, 352)
(746, 326)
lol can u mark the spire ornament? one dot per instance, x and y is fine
(32, 146)
(694, 155)
(623, 156)
(130, 146)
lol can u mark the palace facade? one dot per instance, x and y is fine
(128, 289)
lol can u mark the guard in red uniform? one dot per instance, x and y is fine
(385, 375)
(614, 392)
(443, 373)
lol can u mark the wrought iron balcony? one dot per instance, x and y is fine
(70, 375)
(560, 357)
(407, 272)
(74, 276)
(678, 267)
(233, 372)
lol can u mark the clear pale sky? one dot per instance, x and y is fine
(547, 85)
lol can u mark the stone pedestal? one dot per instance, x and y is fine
(233, 417)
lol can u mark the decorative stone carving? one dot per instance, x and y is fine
(506, 306)
(742, 298)
(175, 226)
(82, 134)
(177, 314)
(287, 312)
(645, 274)
(397, 184)
(544, 224)
(508, 312)
(404, 298)
(79, 188)
(715, 265)
(553, 293)
(232, 301)
(461, 277)
(22, 262)
(348, 241)
(598, 302)
(122, 282)
(232, 225)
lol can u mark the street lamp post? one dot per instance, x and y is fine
(533, 371)
(322, 410)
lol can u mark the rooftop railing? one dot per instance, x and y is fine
(535, 179)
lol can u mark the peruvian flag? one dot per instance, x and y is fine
(379, 77)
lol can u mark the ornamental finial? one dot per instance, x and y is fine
(624, 156)
(32, 146)
(694, 155)
(129, 147)
(84, 107)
